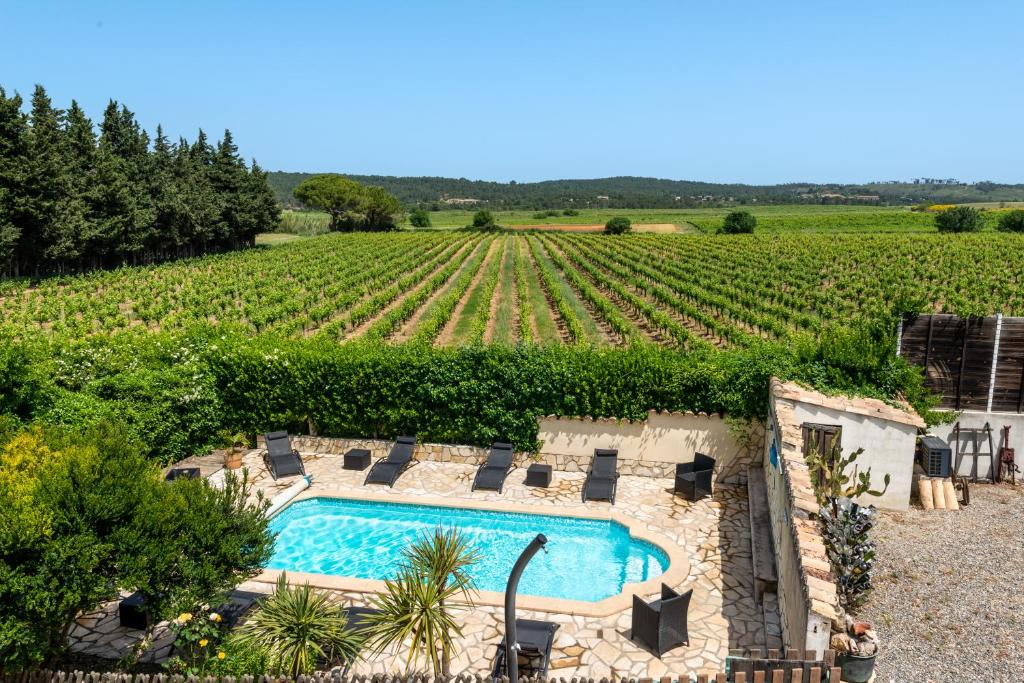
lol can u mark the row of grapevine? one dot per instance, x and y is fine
(686, 291)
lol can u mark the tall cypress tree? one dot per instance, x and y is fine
(228, 177)
(46, 185)
(72, 200)
(163, 191)
(13, 160)
(263, 205)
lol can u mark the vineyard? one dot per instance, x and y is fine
(688, 291)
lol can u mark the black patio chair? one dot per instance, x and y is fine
(603, 477)
(281, 459)
(535, 639)
(661, 625)
(693, 479)
(387, 470)
(491, 475)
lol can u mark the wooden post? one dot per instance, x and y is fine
(928, 343)
(951, 502)
(1020, 389)
(924, 491)
(938, 494)
(963, 362)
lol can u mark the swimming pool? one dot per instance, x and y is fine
(587, 559)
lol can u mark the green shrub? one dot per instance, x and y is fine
(739, 222)
(1012, 221)
(419, 218)
(570, 212)
(540, 215)
(959, 219)
(297, 627)
(64, 499)
(185, 519)
(484, 220)
(618, 225)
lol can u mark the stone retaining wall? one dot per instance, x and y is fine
(647, 448)
(808, 602)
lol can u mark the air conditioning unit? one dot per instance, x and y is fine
(934, 455)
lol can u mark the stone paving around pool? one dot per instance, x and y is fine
(714, 533)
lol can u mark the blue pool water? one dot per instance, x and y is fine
(587, 559)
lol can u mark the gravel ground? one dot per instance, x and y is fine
(948, 603)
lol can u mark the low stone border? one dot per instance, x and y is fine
(473, 455)
(677, 571)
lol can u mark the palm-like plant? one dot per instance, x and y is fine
(417, 605)
(298, 626)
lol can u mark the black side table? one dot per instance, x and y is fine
(357, 459)
(538, 475)
(132, 613)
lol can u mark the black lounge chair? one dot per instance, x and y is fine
(603, 476)
(661, 625)
(535, 639)
(491, 475)
(693, 479)
(281, 459)
(387, 470)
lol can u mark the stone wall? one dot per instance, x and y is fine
(647, 448)
(808, 602)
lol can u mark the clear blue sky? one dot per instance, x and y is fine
(711, 90)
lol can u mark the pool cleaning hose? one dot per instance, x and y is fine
(511, 644)
(283, 498)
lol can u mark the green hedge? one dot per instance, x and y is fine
(179, 392)
(473, 395)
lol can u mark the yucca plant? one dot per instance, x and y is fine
(417, 606)
(296, 627)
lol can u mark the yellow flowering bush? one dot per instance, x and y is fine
(197, 640)
(939, 208)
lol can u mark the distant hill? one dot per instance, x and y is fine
(630, 192)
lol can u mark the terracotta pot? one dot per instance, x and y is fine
(232, 459)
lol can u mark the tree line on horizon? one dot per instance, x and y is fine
(73, 200)
(630, 192)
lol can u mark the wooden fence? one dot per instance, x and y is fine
(973, 363)
(789, 670)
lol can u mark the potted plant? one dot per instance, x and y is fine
(233, 453)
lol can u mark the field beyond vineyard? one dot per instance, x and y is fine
(456, 288)
(770, 218)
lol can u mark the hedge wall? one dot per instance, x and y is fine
(473, 395)
(181, 393)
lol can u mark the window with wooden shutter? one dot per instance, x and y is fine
(821, 439)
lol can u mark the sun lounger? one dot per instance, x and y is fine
(491, 475)
(387, 470)
(603, 476)
(281, 459)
